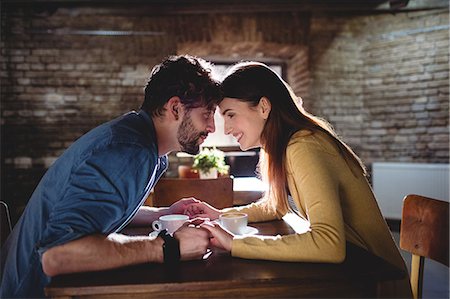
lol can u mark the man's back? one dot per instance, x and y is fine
(87, 190)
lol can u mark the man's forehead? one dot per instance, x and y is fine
(208, 108)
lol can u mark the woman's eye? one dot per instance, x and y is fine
(230, 115)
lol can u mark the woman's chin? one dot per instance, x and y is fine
(247, 147)
(242, 147)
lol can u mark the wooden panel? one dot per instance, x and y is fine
(216, 192)
(241, 198)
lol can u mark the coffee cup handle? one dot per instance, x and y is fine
(156, 225)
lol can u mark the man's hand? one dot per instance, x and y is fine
(180, 206)
(194, 242)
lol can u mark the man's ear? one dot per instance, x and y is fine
(265, 106)
(173, 108)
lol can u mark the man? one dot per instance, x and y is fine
(99, 184)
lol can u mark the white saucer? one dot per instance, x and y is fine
(153, 234)
(249, 230)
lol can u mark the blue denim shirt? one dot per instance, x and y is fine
(96, 186)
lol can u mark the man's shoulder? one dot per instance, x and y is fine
(126, 134)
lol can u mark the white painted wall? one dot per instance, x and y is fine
(393, 181)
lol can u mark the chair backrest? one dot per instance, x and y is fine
(424, 233)
(6, 226)
(216, 192)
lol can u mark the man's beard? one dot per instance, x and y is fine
(188, 136)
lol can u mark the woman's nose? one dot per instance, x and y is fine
(226, 128)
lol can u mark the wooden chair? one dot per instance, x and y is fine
(6, 226)
(216, 192)
(424, 233)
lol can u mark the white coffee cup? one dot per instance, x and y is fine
(170, 222)
(234, 222)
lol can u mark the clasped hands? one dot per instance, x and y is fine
(202, 217)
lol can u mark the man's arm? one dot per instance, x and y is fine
(146, 215)
(100, 252)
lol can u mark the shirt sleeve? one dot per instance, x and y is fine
(316, 185)
(101, 194)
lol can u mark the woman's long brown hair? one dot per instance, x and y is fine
(249, 82)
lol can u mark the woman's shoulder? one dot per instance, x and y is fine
(308, 137)
(311, 140)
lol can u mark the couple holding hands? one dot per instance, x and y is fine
(99, 184)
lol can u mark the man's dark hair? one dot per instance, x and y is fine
(184, 76)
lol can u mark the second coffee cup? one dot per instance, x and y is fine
(234, 222)
(169, 222)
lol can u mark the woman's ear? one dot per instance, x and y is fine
(265, 106)
(174, 108)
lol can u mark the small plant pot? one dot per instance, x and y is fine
(211, 174)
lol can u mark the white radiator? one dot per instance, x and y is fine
(393, 181)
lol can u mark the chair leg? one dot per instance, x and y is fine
(417, 265)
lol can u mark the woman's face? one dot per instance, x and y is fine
(243, 121)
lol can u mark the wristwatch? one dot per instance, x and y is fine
(171, 248)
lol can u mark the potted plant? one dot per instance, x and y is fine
(210, 162)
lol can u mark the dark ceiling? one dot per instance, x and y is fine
(237, 6)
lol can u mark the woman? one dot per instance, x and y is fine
(309, 170)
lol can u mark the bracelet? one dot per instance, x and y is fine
(171, 248)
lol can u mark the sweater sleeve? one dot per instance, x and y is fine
(314, 187)
(257, 212)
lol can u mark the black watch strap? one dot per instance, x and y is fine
(171, 248)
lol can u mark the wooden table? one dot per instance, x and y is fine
(222, 276)
(247, 190)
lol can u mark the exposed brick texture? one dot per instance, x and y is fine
(381, 80)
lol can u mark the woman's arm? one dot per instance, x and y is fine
(256, 211)
(314, 185)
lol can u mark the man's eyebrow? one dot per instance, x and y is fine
(226, 110)
(211, 109)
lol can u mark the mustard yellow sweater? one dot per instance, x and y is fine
(338, 203)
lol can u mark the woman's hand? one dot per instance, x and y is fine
(202, 210)
(220, 237)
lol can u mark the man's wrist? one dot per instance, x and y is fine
(171, 248)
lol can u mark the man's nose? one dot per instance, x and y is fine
(211, 127)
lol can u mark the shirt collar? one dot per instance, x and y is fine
(151, 127)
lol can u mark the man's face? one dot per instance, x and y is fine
(197, 123)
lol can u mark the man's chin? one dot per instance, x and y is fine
(191, 151)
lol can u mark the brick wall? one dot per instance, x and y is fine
(57, 86)
(406, 88)
(383, 83)
(381, 80)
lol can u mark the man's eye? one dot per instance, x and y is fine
(230, 115)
